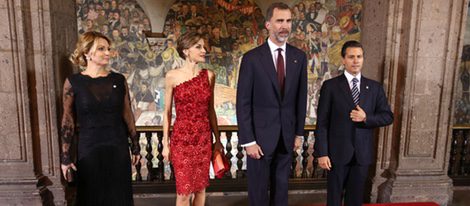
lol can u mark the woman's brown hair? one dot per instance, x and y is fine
(186, 41)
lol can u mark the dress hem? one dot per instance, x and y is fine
(193, 191)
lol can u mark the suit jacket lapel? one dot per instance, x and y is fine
(344, 84)
(269, 68)
(364, 91)
(290, 69)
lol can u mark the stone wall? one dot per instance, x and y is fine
(422, 53)
(34, 39)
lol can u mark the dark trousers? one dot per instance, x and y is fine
(351, 178)
(270, 172)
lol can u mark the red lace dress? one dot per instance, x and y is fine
(190, 143)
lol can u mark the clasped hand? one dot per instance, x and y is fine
(358, 114)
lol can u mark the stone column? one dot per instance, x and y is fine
(424, 39)
(29, 145)
(373, 37)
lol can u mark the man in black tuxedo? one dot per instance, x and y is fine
(349, 109)
(271, 108)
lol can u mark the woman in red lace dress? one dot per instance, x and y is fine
(191, 141)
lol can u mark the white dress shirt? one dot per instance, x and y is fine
(274, 53)
(350, 77)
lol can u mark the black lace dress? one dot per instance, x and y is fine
(100, 107)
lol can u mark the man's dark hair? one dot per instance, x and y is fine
(276, 5)
(350, 44)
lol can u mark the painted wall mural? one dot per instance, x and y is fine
(320, 28)
(231, 28)
(462, 103)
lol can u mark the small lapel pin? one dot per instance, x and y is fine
(295, 61)
(367, 87)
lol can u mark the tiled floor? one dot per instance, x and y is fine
(461, 198)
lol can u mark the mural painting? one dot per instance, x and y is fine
(462, 103)
(231, 28)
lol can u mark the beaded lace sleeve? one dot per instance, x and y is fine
(129, 119)
(68, 125)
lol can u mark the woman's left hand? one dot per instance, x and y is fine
(218, 147)
(135, 159)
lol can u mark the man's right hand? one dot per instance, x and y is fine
(254, 151)
(324, 162)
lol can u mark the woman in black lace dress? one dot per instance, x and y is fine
(96, 101)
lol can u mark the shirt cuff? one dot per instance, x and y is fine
(249, 144)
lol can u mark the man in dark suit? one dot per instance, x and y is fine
(349, 109)
(271, 104)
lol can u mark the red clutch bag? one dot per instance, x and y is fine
(220, 164)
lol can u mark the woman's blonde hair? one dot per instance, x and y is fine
(84, 44)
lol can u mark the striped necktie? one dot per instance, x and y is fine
(355, 91)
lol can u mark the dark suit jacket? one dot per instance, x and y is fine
(262, 113)
(337, 136)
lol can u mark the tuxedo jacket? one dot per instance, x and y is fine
(336, 135)
(264, 115)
